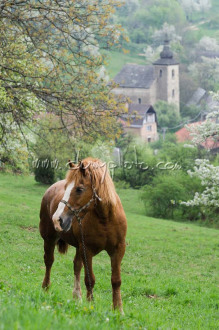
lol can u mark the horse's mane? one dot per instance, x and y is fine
(99, 176)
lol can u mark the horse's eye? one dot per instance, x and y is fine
(79, 190)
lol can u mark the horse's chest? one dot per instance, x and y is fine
(69, 238)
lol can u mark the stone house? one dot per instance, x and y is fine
(141, 121)
(144, 85)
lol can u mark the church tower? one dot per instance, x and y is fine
(166, 70)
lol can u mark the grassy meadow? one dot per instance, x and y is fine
(170, 271)
(117, 59)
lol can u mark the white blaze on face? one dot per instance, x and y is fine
(61, 206)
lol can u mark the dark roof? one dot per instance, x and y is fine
(135, 76)
(208, 53)
(166, 61)
(202, 97)
(196, 97)
(166, 56)
(136, 122)
(137, 112)
(141, 109)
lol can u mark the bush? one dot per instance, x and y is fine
(179, 153)
(138, 165)
(44, 172)
(121, 185)
(162, 198)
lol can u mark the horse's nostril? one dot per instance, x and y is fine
(60, 221)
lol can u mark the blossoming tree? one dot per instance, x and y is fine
(204, 170)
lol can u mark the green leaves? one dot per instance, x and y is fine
(50, 61)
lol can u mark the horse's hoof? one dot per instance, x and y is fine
(90, 298)
(77, 295)
(46, 286)
(121, 311)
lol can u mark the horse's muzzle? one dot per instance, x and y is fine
(57, 225)
(65, 223)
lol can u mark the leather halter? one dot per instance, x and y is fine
(76, 212)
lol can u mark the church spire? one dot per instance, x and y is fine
(166, 52)
(166, 56)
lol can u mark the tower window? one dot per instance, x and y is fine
(173, 93)
(139, 101)
(173, 73)
(161, 72)
(149, 128)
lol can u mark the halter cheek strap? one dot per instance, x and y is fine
(76, 212)
(67, 204)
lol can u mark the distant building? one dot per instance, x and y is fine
(141, 121)
(204, 101)
(206, 53)
(198, 96)
(144, 85)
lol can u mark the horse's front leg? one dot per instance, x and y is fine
(77, 271)
(116, 259)
(89, 278)
(49, 247)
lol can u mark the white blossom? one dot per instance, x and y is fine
(203, 169)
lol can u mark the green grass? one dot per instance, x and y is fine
(170, 271)
(117, 59)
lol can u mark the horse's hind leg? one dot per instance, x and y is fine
(116, 259)
(49, 247)
(77, 271)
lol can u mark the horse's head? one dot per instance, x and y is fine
(78, 198)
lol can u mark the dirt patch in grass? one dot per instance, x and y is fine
(29, 228)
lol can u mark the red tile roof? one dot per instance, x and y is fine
(184, 135)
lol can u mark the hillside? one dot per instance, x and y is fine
(191, 31)
(170, 271)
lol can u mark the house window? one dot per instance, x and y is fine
(161, 72)
(150, 117)
(139, 101)
(173, 73)
(149, 128)
(173, 93)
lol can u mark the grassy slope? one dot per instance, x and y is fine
(117, 59)
(170, 271)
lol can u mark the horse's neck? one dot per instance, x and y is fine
(102, 210)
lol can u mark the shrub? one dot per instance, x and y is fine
(163, 196)
(44, 172)
(138, 164)
(121, 185)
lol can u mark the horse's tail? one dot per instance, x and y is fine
(62, 246)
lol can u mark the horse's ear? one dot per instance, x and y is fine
(71, 164)
(82, 167)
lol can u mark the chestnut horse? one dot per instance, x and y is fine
(84, 211)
